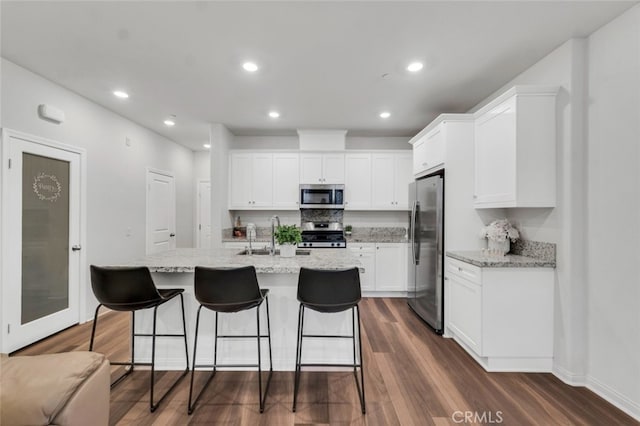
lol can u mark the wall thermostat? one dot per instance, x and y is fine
(51, 113)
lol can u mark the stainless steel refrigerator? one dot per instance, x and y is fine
(426, 238)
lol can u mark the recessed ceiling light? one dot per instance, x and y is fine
(121, 94)
(207, 145)
(250, 66)
(385, 114)
(415, 66)
(169, 122)
(274, 114)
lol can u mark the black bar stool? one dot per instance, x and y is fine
(132, 289)
(330, 291)
(225, 290)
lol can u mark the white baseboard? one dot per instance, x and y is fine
(568, 377)
(621, 401)
(607, 393)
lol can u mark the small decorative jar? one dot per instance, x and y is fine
(287, 250)
(501, 247)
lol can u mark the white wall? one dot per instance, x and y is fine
(202, 165)
(201, 171)
(265, 142)
(221, 140)
(596, 222)
(368, 143)
(291, 142)
(613, 224)
(116, 180)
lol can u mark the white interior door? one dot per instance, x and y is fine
(42, 218)
(204, 214)
(161, 211)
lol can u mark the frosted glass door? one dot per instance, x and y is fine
(42, 234)
(45, 236)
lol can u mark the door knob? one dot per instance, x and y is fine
(76, 248)
(172, 234)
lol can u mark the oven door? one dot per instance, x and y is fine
(321, 197)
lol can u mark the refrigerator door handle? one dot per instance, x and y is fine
(413, 232)
(416, 234)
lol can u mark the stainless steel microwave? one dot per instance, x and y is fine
(322, 196)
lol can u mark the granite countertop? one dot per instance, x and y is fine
(483, 260)
(186, 259)
(376, 239)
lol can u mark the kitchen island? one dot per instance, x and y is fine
(175, 269)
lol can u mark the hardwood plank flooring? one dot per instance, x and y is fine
(412, 377)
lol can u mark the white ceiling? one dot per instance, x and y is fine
(321, 62)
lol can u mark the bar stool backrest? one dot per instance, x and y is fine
(227, 289)
(329, 290)
(124, 288)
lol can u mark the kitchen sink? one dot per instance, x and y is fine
(262, 252)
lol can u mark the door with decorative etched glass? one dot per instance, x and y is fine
(41, 245)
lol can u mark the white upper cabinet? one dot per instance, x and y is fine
(357, 184)
(285, 181)
(251, 180)
(429, 152)
(391, 174)
(384, 188)
(515, 149)
(403, 177)
(322, 168)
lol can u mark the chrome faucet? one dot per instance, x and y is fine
(272, 249)
(251, 233)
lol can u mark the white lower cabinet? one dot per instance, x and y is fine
(502, 316)
(366, 254)
(385, 267)
(391, 267)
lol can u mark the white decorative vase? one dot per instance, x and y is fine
(501, 247)
(287, 250)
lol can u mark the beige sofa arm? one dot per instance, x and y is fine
(58, 389)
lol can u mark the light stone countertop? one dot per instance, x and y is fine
(483, 260)
(186, 259)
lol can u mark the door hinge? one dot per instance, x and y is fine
(199, 227)
(8, 328)
(9, 162)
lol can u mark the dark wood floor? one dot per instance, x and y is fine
(412, 377)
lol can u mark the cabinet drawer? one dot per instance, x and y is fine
(465, 270)
(361, 247)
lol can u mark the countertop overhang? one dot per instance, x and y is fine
(478, 258)
(186, 259)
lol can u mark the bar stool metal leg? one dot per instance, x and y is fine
(192, 402)
(152, 406)
(129, 365)
(296, 383)
(261, 395)
(360, 386)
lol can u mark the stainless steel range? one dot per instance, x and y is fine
(322, 235)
